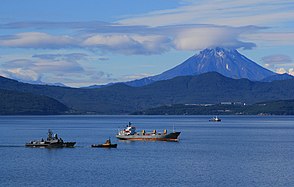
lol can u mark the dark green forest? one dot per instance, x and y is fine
(17, 103)
(119, 98)
(285, 107)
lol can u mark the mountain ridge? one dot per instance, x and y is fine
(277, 77)
(228, 62)
(123, 99)
(19, 103)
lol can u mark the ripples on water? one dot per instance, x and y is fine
(239, 151)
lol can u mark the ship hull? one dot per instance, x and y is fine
(150, 137)
(104, 145)
(51, 145)
(212, 120)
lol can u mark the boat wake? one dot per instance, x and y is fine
(11, 146)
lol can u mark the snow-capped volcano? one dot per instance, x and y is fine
(228, 62)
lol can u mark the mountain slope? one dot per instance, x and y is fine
(122, 99)
(228, 62)
(276, 77)
(16, 103)
(284, 107)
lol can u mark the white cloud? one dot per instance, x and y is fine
(124, 43)
(135, 76)
(193, 25)
(20, 74)
(103, 58)
(68, 57)
(36, 40)
(129, 43)
(200, 38)
(55, 68)
(154, 41)
(279, 63)
(219, 12)
(108, 40)
(277, 59)
(291, 71)
(43, 66)
(281, 70)
(271, 38)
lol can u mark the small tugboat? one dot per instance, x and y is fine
(107, 144)
(215, 119)
(52, 141)
(129, 133)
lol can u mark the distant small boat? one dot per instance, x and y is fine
(107, 144)
(215, 119)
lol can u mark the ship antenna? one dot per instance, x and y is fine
(173, 128)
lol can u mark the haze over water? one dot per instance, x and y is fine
(239, 151)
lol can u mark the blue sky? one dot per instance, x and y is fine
(85, 42)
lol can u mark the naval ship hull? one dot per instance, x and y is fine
(50, 145)
(150, 137)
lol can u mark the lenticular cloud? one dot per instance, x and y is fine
(154, 40)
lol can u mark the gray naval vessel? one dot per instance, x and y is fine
(129, 133)
(52, 141)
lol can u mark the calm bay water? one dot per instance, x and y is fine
(239, 151)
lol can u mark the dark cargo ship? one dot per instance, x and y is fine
(52, 141)
(129, 133)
